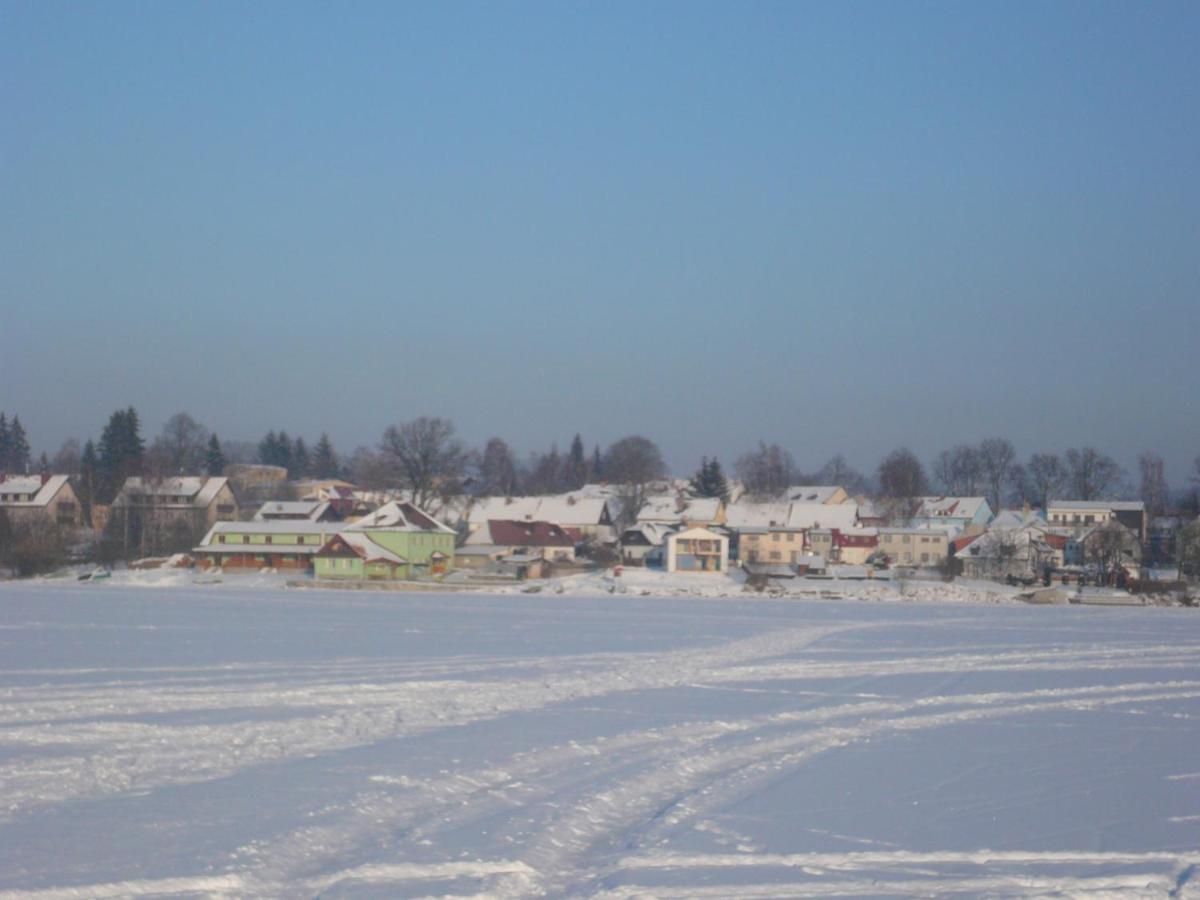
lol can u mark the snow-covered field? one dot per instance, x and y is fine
(249, 741)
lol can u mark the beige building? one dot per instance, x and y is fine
(914, 546)
(199, 501)
(1078, 516)
(771, 545)
(696, 550)
(27, 499)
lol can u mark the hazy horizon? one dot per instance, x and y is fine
(841, 228)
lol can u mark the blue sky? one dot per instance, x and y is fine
(842, 227)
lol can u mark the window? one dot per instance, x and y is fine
(775, 554)
(267, 539)
(300, 539)
(924, 557)
(908, 539)
(220, 538)
(245, 538)
(924, 540)
(775, 536)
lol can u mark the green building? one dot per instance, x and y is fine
(259, 545)
(397, 541)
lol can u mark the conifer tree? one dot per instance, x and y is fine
(4, 443)
(18, 447)
(709, 480)
(300, 463)
(283, 452)
(597, 466)
(325, 461)
(121, 453)
(214, 459)
(575, 467)
(268, 449)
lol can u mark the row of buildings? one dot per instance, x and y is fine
(336, 531)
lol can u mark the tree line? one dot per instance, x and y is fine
(425, 456)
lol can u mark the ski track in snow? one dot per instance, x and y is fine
(598, 814)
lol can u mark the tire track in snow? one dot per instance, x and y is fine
(118, 756)
(712, 758)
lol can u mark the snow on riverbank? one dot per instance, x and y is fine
(650, 582)
(631, 581)
(255, 742)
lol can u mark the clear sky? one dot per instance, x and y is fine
(842, 226)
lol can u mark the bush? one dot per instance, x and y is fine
(31, 549)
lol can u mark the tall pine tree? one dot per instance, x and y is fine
(18, 448)
(709, 480)
(214, 459)
(120, 454)
(325, 461)
(575, 468)
(301, 465)
(5, 444)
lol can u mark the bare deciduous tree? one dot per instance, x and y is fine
(181, 447)
(1091, 475)
(1153, 489)
(901, 475)
(429, 458)
(996, 460)
(839, 472)
(1045, 476)
(766, 471)
(497, 470)
(958, 470)
(633, 462)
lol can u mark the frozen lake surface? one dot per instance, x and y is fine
(251, 742)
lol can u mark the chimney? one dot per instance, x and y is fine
(45, 476)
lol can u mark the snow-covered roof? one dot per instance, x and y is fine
(822, 515)
(31, 486)
(653, 532)
(277, 509)
(756, 515)
(367, 549)
(811, 493)
(400, 516)
(951, 507)
(1015, 518)
(990, 543)
(197, 490)
(676, 509)
(561, 509)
